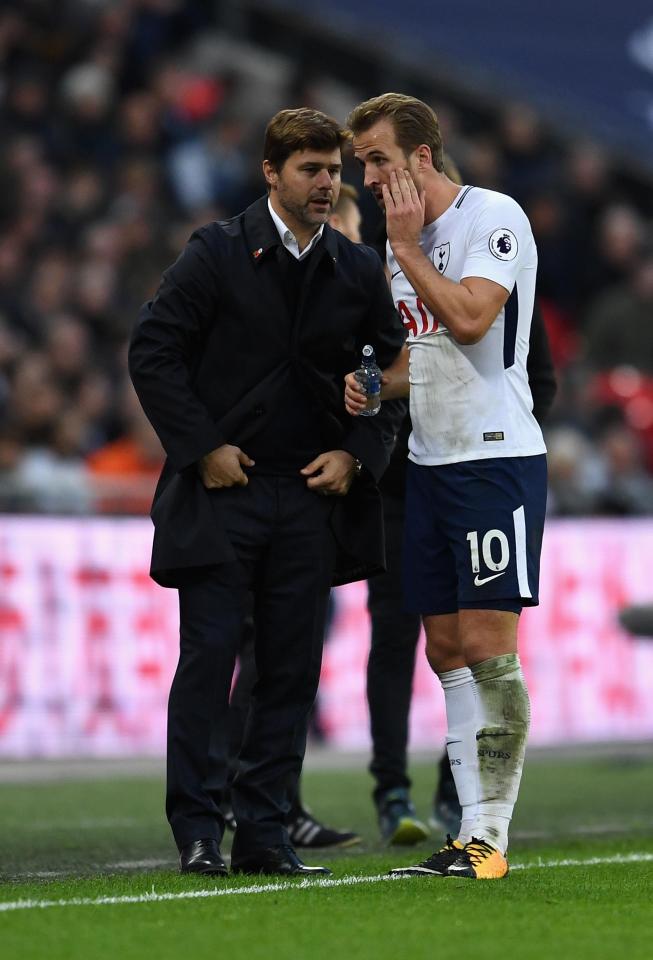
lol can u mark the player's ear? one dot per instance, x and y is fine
(270, 174)
(424, 156)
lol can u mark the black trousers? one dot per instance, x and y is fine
(285, 556)
(239, 703)
(240, 699)
(391, 662)
(390, 668)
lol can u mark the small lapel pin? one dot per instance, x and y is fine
(257, 253)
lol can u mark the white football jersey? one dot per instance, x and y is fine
(472, 402)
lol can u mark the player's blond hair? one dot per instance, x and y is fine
(413, 122)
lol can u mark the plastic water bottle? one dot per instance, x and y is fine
(369, 377)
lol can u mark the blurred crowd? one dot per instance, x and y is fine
(125, 124)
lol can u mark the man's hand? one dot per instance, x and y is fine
(355, 397)
(331, 473)
(404, 210)
(394, 385)
(223, 467)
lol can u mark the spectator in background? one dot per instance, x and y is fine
(586, 185)
(527, 158)
(124, 472)
(619, 326)
(36, 399)
(53, 473)
(67, 347)
(556, 256)
(88, 93)
(627, 489)
(82, 203)
(15, 497)
(51, 288)
(482, 161)
(615, 247)
(10, 348)
(574, 473)
(139, 125)
(346, 216)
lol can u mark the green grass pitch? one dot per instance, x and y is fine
(87, 870)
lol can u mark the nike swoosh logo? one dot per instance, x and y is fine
(478, 581)
(396, 274)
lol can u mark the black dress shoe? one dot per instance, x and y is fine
(280, 860)
(203, 856)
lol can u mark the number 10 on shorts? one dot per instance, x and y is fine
(495, 551)
(489, 551)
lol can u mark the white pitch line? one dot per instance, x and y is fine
(286, 885)
(590, 862)
(154, 897)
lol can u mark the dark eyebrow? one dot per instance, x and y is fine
(314, 164)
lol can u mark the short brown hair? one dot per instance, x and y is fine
(413, 121)
(301, 129)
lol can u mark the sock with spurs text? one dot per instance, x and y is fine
(503, 716)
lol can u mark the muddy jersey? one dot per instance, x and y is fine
(472, 402)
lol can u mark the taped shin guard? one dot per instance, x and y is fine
(503, 712)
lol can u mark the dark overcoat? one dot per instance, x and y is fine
(214, 348)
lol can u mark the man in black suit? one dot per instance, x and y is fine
(269, 486)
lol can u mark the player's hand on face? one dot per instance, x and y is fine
(223, 467)
(355, 398)
(404, 209)
(331, 473)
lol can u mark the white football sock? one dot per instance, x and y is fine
(462, 723)
(503, 712)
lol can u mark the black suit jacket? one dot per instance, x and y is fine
(209, 357)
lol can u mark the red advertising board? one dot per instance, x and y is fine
(88, 643)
